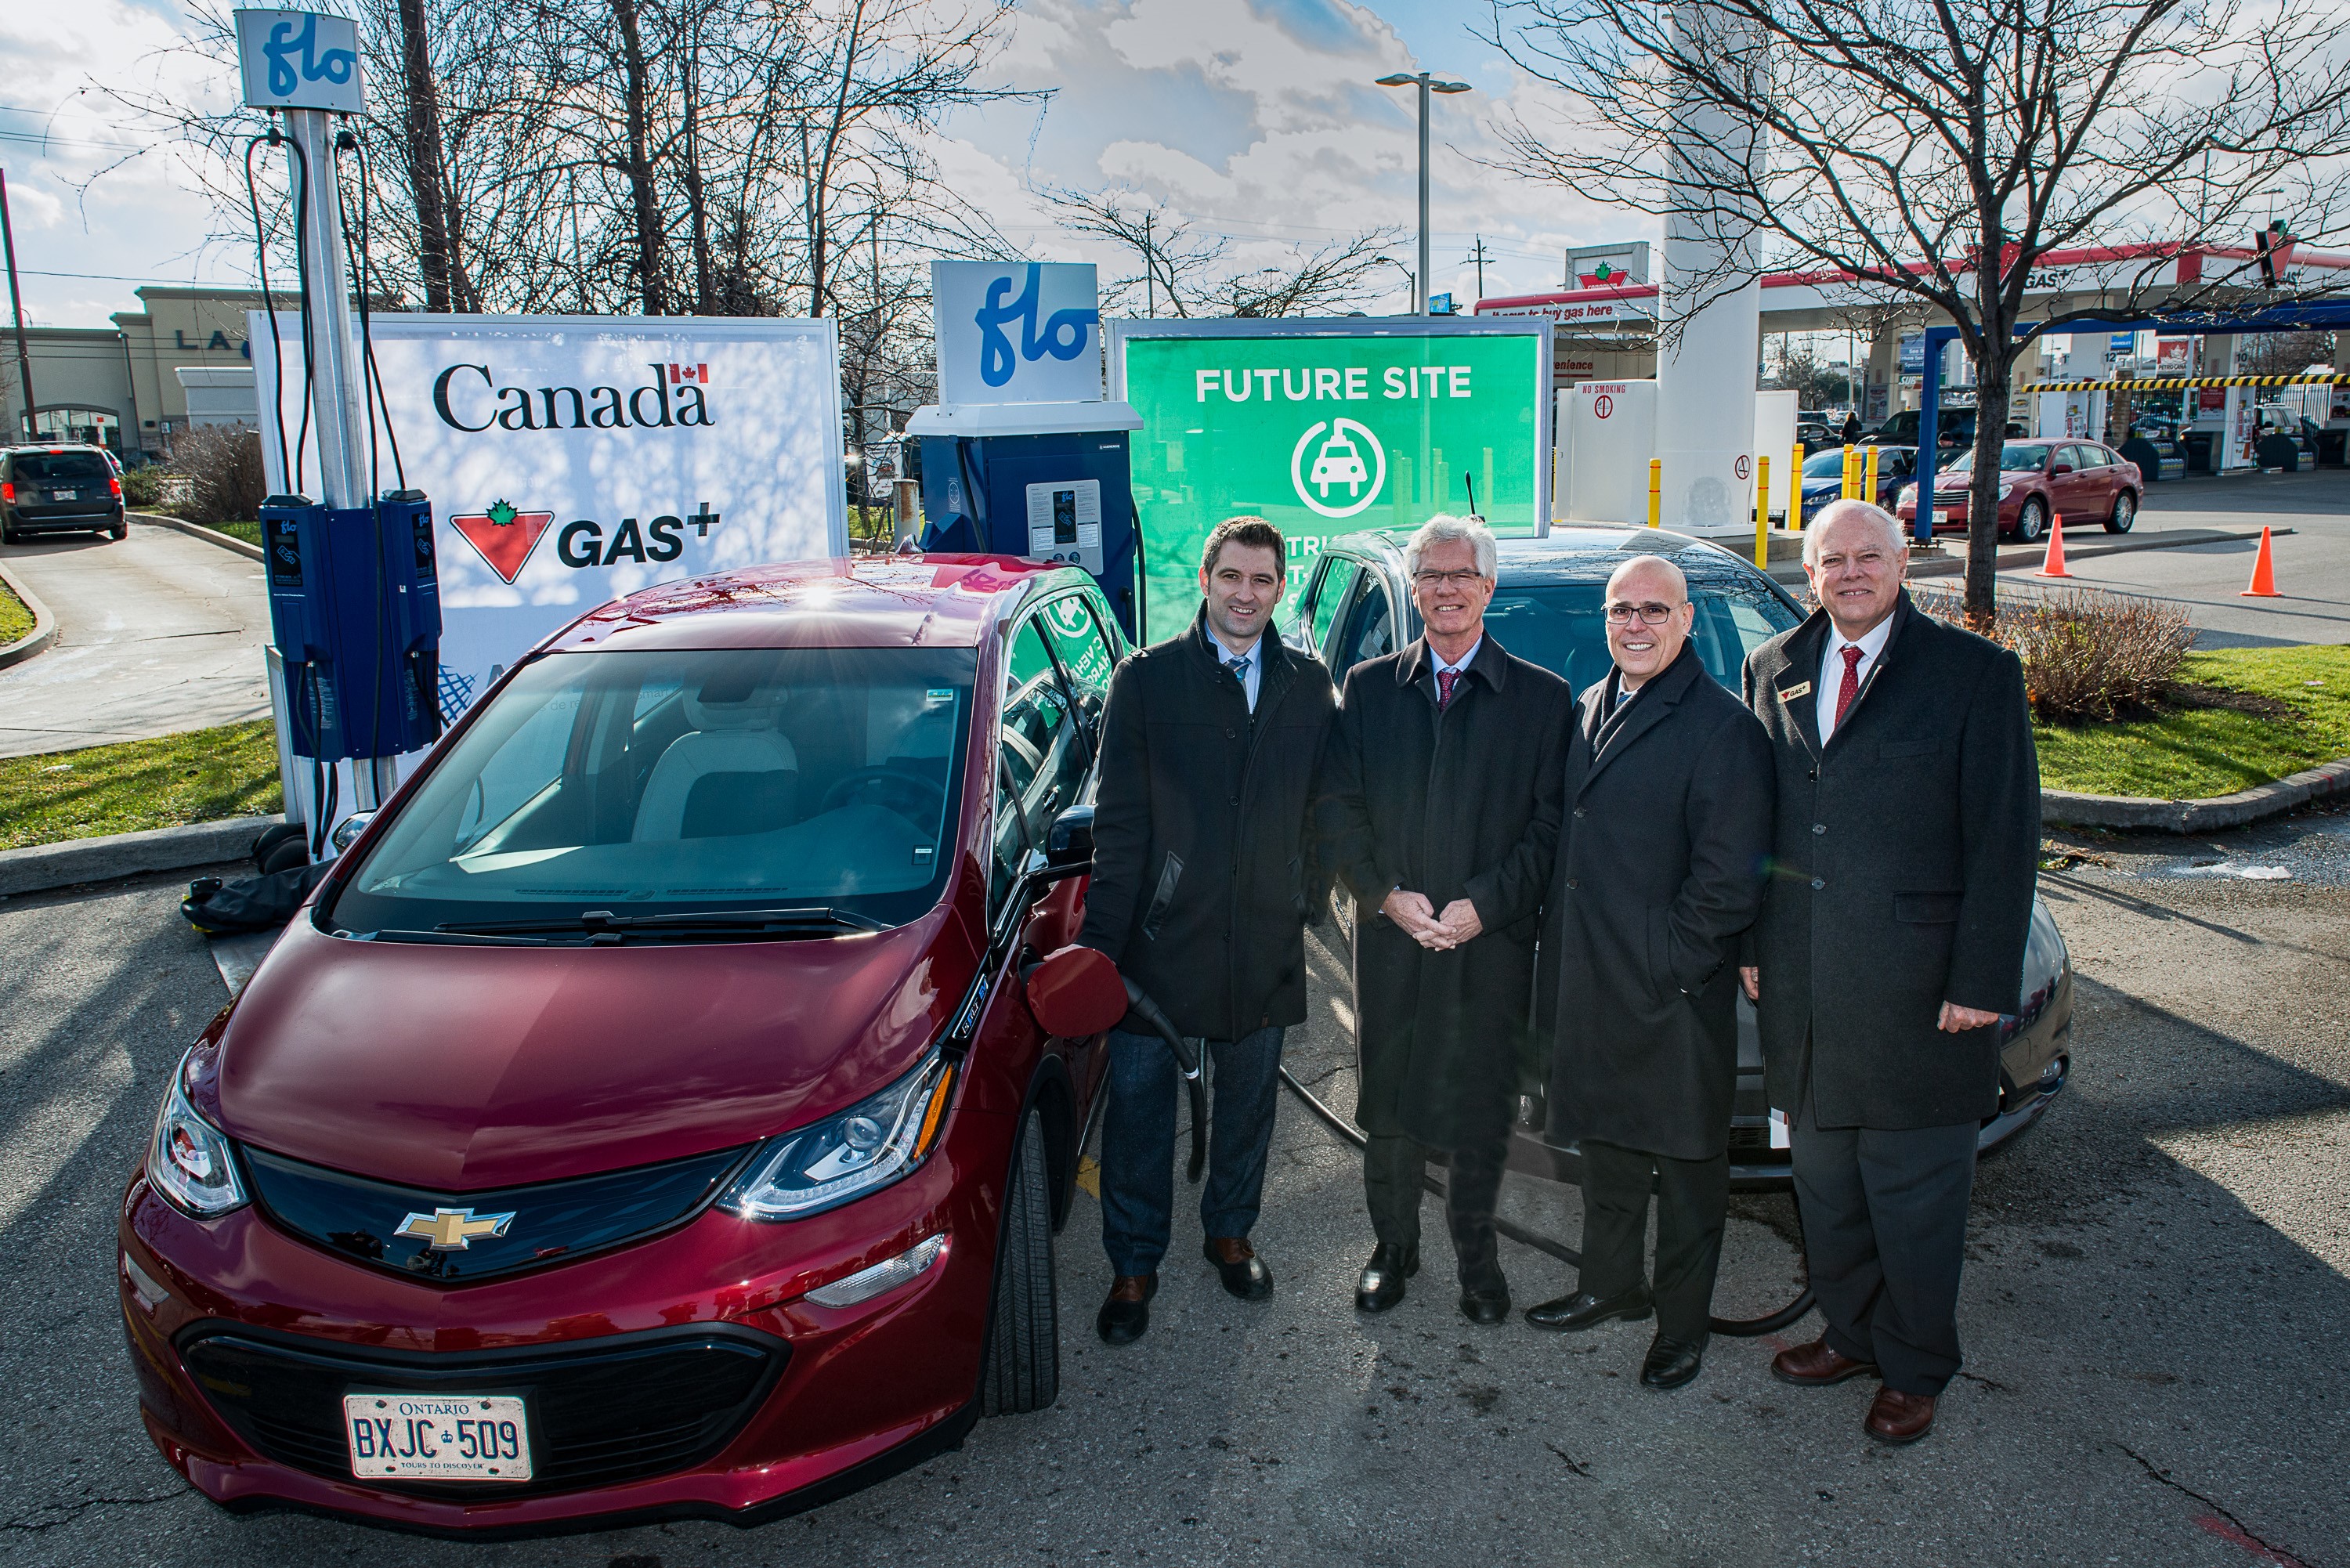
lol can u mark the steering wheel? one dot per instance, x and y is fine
(927, 799)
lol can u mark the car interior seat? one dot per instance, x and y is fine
(733, 772)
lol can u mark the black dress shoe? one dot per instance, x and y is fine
(1583, 1310)
(1671, 1362)
(1485, 1302)
(1237, 1264)
(1127, 1314)
(1381, 1285)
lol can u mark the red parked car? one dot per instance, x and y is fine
(2083, 481)
(646, 1118)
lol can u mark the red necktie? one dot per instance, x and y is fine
(1444, 680)
(1850, 689)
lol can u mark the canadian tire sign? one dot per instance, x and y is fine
(571, 459)
(1326, 428)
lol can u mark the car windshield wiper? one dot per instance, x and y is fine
(735, 924)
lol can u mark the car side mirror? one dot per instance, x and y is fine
(1076, 992)
(2055, 469)
(1070, 840)
(347, 831)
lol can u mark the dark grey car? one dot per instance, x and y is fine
(57, 490)
(1546, 609)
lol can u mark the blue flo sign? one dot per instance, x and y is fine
(1017, 332)
(298, 59)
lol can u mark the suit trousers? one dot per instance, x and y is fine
(1393, 1168)
(1138, 1142)
(1692, 1201)
(1885, 1231)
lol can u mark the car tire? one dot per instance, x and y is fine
(10, 536)
(117, 531)
(2124, 513)
(1020, 1370)
(2032, 521)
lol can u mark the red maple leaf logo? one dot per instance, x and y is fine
(503, 536)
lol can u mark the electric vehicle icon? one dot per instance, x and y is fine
(1348, 456)
(654, 1081)
(1338, 464)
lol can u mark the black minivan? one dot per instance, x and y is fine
(57, 490)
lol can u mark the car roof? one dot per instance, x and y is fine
(1576, 553)
(888, 601)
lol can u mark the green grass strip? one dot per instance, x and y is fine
(248, 531)
(15, 620)
(202, 775)
(2190, 753)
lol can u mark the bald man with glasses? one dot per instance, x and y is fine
(1660, 872)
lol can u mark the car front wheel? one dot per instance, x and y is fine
(2124, 513)
(2032, 521)
(1021, 1369)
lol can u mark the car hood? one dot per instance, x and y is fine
(458, 1068)
(1947, 480)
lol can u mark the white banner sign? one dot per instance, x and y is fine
(571, 459)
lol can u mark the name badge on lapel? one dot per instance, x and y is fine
(1800, 689)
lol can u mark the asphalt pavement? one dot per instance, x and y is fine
(2156, 1310)
(157, 633)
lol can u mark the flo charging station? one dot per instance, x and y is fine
(1327, 427)
(1021, 456)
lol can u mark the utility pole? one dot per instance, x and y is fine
(16, 305)
(1149, 272)
(1478, 255)
(1427, 83)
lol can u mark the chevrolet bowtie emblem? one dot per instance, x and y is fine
(453, 1229)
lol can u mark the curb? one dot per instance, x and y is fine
(2063, 807)
(40, 866)
(198, 531)
(44, 625)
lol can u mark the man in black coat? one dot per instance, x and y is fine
(1904, 854)
(1202, 881)
(1441, 793)
(1659, 874)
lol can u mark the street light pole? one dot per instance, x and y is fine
(1427, 83)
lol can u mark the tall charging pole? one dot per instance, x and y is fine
(304, 68)
(1427, 83)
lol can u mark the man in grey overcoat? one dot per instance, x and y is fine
(1905, 852)
(1660, 867)
(1440, 804)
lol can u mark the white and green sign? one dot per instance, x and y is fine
(1326, 428)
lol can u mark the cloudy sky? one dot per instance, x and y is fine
(1257, 118)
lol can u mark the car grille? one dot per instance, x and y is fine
(601, 1411)
(544, 1224)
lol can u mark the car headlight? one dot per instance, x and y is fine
(2006, 491)
(865, 1147)
(188, 1161)
(1906, 497)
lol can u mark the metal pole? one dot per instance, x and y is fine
(16, 304)
(1420, 289)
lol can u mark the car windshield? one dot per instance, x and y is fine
(59, 468)
(1563, 627)
(688, 783)
(1828, 464)
(2014, 457)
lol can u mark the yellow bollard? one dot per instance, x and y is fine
(1656, 489)
(1868, 485)
(1796, 487)
(1851, 480)
(1762, 512)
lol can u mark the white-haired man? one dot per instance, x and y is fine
(1904, 855)
(1440, 797)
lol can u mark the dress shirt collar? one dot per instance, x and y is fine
(1438, 662)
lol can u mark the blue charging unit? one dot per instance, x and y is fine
(354, 606)
(1000, 479)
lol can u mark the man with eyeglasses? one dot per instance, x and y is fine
(1904, 850)
(1440, 798)
(1201, 882)
(1659, 873)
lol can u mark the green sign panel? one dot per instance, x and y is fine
(1326, 432)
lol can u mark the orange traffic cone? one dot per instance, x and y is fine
(2054, 567)
(2264, 574)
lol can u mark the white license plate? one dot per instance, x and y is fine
(1941, 514)
(64, 494)
(451, 1436)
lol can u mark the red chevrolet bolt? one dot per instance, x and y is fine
(648, 1119)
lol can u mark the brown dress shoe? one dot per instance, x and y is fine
(1817, 1364)
(1243, 1273)
(1898, 1418)
(1126, 1314)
